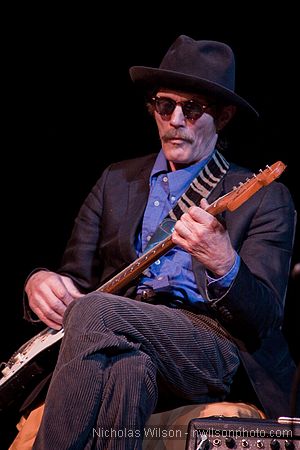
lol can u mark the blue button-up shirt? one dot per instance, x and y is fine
(173, 272)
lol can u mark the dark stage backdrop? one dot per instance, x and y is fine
(71, 110)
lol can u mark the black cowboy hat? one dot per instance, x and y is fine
(206, 67)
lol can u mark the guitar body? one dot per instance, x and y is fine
(28, 367)
(36, 358)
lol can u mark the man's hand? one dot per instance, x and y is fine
(49, 294)
(205, 238)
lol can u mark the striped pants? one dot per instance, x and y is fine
(104, 387)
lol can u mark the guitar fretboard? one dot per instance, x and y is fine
(137, 267)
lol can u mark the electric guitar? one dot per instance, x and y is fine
(36, 358)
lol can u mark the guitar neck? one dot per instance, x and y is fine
(135, 269)
(132, 271)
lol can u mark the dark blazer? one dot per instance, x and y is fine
(261, 231)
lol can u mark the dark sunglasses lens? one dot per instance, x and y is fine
(165, 106)
(192, 110)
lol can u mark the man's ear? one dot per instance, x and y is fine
(226, 114)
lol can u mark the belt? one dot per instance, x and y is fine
(148, 295)
(145, 295)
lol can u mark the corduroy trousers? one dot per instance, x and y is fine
(104, 387)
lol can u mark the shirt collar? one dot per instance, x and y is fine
(179, 180)
(160, 165)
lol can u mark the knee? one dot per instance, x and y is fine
(82, 310)
(97, 311)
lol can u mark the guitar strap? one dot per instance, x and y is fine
(201, 186)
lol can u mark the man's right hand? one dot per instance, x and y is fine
(49, 294)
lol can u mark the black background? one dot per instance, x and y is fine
(70, 109)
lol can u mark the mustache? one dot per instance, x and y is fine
(175, 134)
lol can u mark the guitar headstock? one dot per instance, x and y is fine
(270, 173)
(243, 191)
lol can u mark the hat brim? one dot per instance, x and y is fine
(149, 78)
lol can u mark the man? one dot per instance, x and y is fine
(215, 298)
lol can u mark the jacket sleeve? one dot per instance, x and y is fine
(81, 260)
(263, 234)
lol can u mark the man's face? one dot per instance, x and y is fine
(185, 140)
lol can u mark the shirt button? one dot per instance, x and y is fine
(157, 262)
(156, 203)
(173, 198)
(165, 179)
(148, 238)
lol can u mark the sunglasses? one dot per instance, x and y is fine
(191, 109)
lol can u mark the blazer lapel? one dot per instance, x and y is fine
(138, 191)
